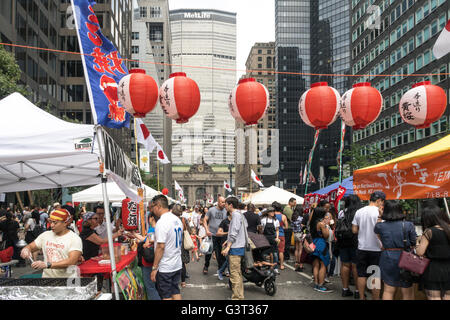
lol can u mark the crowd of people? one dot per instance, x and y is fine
(366, 240)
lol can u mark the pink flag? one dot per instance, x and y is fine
(442, 45)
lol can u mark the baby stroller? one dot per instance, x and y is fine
(262, 273)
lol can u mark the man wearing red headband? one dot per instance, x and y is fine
(61, 247)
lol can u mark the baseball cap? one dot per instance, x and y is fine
(56, 204)
(377, 195)
(88, 215)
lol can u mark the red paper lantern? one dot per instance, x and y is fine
(249, 101)
(165, 191)
(129, 214)
(138, 93)
(423, 104)
(179, 97)
(319, 106)
(361, 105)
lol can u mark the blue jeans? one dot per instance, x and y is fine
(152, 293)
(224, 266)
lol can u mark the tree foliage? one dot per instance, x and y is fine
(357, 160)
(149, 180)
(9, 75)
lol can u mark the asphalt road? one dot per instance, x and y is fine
(290, 285)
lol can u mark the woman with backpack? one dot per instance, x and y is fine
(297, 228)
(347, 244)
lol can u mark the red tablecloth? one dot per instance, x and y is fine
(91, 266)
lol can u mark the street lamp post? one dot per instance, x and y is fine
(230, 167)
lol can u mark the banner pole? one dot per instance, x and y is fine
(157, 171)
(446, 207)
(141, 191)
(107, 214)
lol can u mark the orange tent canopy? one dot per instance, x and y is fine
(424, 173)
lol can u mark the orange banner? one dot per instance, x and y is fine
(414, 178)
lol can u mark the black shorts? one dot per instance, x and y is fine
(167, 284)
(365, 259)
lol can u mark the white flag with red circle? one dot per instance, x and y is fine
(227, 186)
(256, 179)
(442, 44)
(145, 137)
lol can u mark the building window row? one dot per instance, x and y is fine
(401, 138)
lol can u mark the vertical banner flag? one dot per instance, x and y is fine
(144, 160)
(256, 179)
(442, 44)
(311, 154)
(341, 149)
(103, 67)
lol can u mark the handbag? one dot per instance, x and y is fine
(307, 244)
(248, 255)
(207, 246)
(148, 254)
(410, 261)
(188, 244)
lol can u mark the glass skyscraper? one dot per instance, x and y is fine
(310, 37)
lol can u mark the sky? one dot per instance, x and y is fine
(255, 22)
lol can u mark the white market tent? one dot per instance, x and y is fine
(41, 151)
(272, 194)
(115, 194)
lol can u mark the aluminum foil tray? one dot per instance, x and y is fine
(48, 289)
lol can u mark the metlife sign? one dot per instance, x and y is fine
(197, 15)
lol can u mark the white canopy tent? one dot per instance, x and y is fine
(115, 194)
(41, 151)
(272, 194)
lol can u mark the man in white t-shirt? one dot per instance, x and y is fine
(167, 264)
(61, 247)
(369, 247)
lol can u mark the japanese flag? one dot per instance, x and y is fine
(442, 45)
(179, 190)
(227, 186)
(256, 179)
(161, 156)
(145, 137)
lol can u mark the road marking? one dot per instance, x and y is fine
(219, 285)
(300, 273)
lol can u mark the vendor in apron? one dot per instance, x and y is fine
(270, 226)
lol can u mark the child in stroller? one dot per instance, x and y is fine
(262, 271)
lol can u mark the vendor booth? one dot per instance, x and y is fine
(424, 173)
(346, 183)
(41, 151)
(272, 194)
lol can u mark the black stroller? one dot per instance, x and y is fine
(259, 275)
